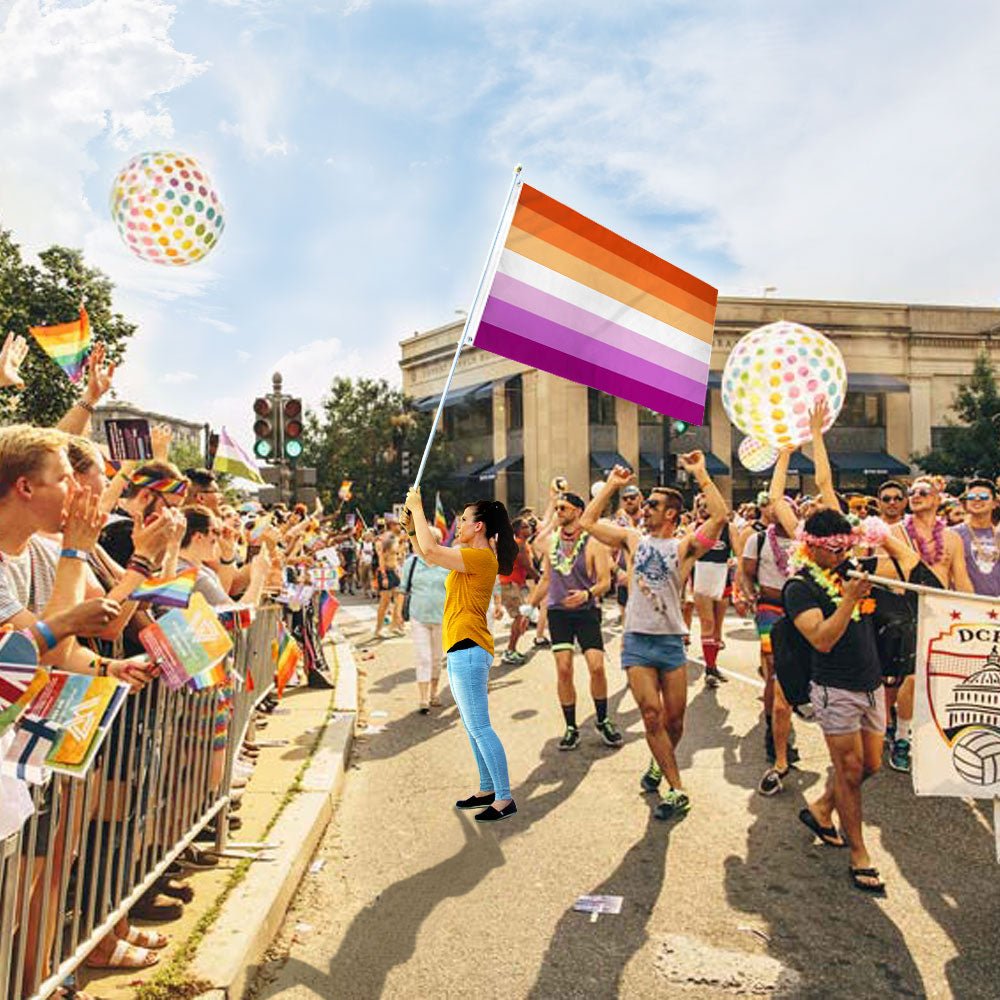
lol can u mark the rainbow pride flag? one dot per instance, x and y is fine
(287, 654)
(440, 521)
(572, 298)
(67, 344)
(328, 605)
(171, 591)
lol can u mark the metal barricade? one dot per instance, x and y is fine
(95, 845)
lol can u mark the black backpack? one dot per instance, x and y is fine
(793, 656)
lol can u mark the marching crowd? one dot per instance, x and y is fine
(833, 648)
(78, 535)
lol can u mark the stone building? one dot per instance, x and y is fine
(185, 431)
(513, 428)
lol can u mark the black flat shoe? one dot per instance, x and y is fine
(490, 815)
(476, 801)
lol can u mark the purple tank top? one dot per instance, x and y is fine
(982, 560)
(576, 578)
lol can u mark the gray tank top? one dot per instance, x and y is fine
(575, 578)
(654, 593)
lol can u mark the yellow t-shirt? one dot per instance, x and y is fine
(467, 599)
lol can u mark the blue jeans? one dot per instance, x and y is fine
(468, 671)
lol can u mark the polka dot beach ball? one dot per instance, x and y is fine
(166, 209)
(755, 455)
(773, 377)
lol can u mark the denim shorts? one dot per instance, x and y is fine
(643, 649)
(840, 712)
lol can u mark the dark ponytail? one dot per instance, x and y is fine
(494, 516)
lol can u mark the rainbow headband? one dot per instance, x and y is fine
(835, 543)
(144, 482)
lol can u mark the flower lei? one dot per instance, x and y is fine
(932, 558)
(561, 563)
(780, 553)
(831, 585)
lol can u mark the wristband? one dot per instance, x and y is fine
(703, 539)
(142, 568)
(102, 667)
(227, 562)
(74, 554)
(89, 407)
(45, 631)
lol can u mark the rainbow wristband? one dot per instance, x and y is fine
(45, 631)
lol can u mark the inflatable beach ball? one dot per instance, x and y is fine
(755, 455)
(166, 209)
(774, 376)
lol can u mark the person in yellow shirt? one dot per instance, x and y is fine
(484, 544)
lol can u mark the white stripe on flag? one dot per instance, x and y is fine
(547, 280)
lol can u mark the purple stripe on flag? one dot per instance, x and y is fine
(569, 342)
(519, 293)
(530, 352)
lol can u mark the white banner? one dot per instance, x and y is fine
(956, 719)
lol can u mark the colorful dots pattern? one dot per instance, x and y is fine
(755, 455)
(771, 381)
(187, 225)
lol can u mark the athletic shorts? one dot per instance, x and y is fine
(512, 596)
(388, 582)
(642, 649)
(765, 617)
(568, 627)
(710, 579)
(840, 712)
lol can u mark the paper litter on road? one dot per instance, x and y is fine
(272, 743)
(303, 928)
(379, 714)
(599, 904)
(317, 866)
(372, 730)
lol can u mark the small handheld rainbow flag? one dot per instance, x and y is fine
(440, 521)
(67, 344)
(328, 605)
(172, 591)
(287, 654)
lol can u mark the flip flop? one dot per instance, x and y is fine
(878, 889)
(828, 834)
(126, 956)
(147, 939)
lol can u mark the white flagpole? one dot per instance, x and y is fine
(884, 581)
(465, 329)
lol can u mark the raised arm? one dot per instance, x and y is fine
(693, 545)
(607, 531)
(76, 420)
(431, 550)
(824, 474)
(780, 507)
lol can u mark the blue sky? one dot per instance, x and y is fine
(363, 148)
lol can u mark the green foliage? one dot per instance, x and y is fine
(186, 455)
(972, 447)
(360, 434)
(46, 294)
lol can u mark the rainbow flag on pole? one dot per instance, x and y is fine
(287, 654)
(172, 591)
(572, 298)
(67, 344)
(440, 521)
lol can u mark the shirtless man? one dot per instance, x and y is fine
(387, 578)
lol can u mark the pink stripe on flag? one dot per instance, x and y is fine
(518, 293)
(569, 366)
(574, 344)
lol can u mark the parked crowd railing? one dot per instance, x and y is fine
(95, 845)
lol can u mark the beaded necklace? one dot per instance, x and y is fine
(561, 562)
(932, 558)
(780, 554)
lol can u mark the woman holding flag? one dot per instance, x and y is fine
(485, 545)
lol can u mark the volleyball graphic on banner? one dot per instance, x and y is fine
(773, 378)
(976, 756)
(755, 455)
(166, 208)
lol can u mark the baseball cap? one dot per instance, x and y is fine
(630, 491)
(575, 499)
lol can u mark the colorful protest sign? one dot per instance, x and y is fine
(186, 642)
(129, 439)
(956, 732)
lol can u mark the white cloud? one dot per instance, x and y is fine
(243, 356)
(355, 7)
(220, 324)
(178, 378)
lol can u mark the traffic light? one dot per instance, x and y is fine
(292, 417)
(680, 426)
(264, 428)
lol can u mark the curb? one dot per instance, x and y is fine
(233, 947)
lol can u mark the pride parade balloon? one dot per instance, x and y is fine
(775, 375)
(755, 455)
(166, 209)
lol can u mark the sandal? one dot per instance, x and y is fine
(142, 938)
(151, 908)
(126, 956)
(828, 834)
(175, 890)
(876, 889)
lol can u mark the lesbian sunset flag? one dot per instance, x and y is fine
(572, 298)
(67, 344)
(173, 591)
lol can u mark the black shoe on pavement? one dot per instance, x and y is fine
(542, 643)
(650, 781)
(571, 739)
(610, 733)
(476, 801)
(491, 815)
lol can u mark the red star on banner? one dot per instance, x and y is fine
(956, 616)
(994, 615)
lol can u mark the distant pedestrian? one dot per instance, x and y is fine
(484, 545)
(424, 584)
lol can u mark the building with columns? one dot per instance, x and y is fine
(513, 428)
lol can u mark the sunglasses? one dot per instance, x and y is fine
(655, 504)
(984, 495)
(560, 507)
(920, 491)
(892, 498)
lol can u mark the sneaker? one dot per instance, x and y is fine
(571, 739)
(650, 781)
(610, 734)
(674, 804)
(513, 658)
(713, 677)
(899, 758)
(771, 784)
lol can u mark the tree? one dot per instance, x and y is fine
(50, 293)
(971, 448)
(361, 433)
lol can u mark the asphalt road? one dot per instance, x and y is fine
(415, 899)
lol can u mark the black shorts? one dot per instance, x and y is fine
(583, 626)
(622, 594)
(390, 581)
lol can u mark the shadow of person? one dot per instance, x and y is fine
(944, 848)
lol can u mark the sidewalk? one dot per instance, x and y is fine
(287, 803)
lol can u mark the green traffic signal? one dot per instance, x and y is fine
(680, 426)
(262, 448)
(293, 448)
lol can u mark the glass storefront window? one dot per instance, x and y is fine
(600, 407)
